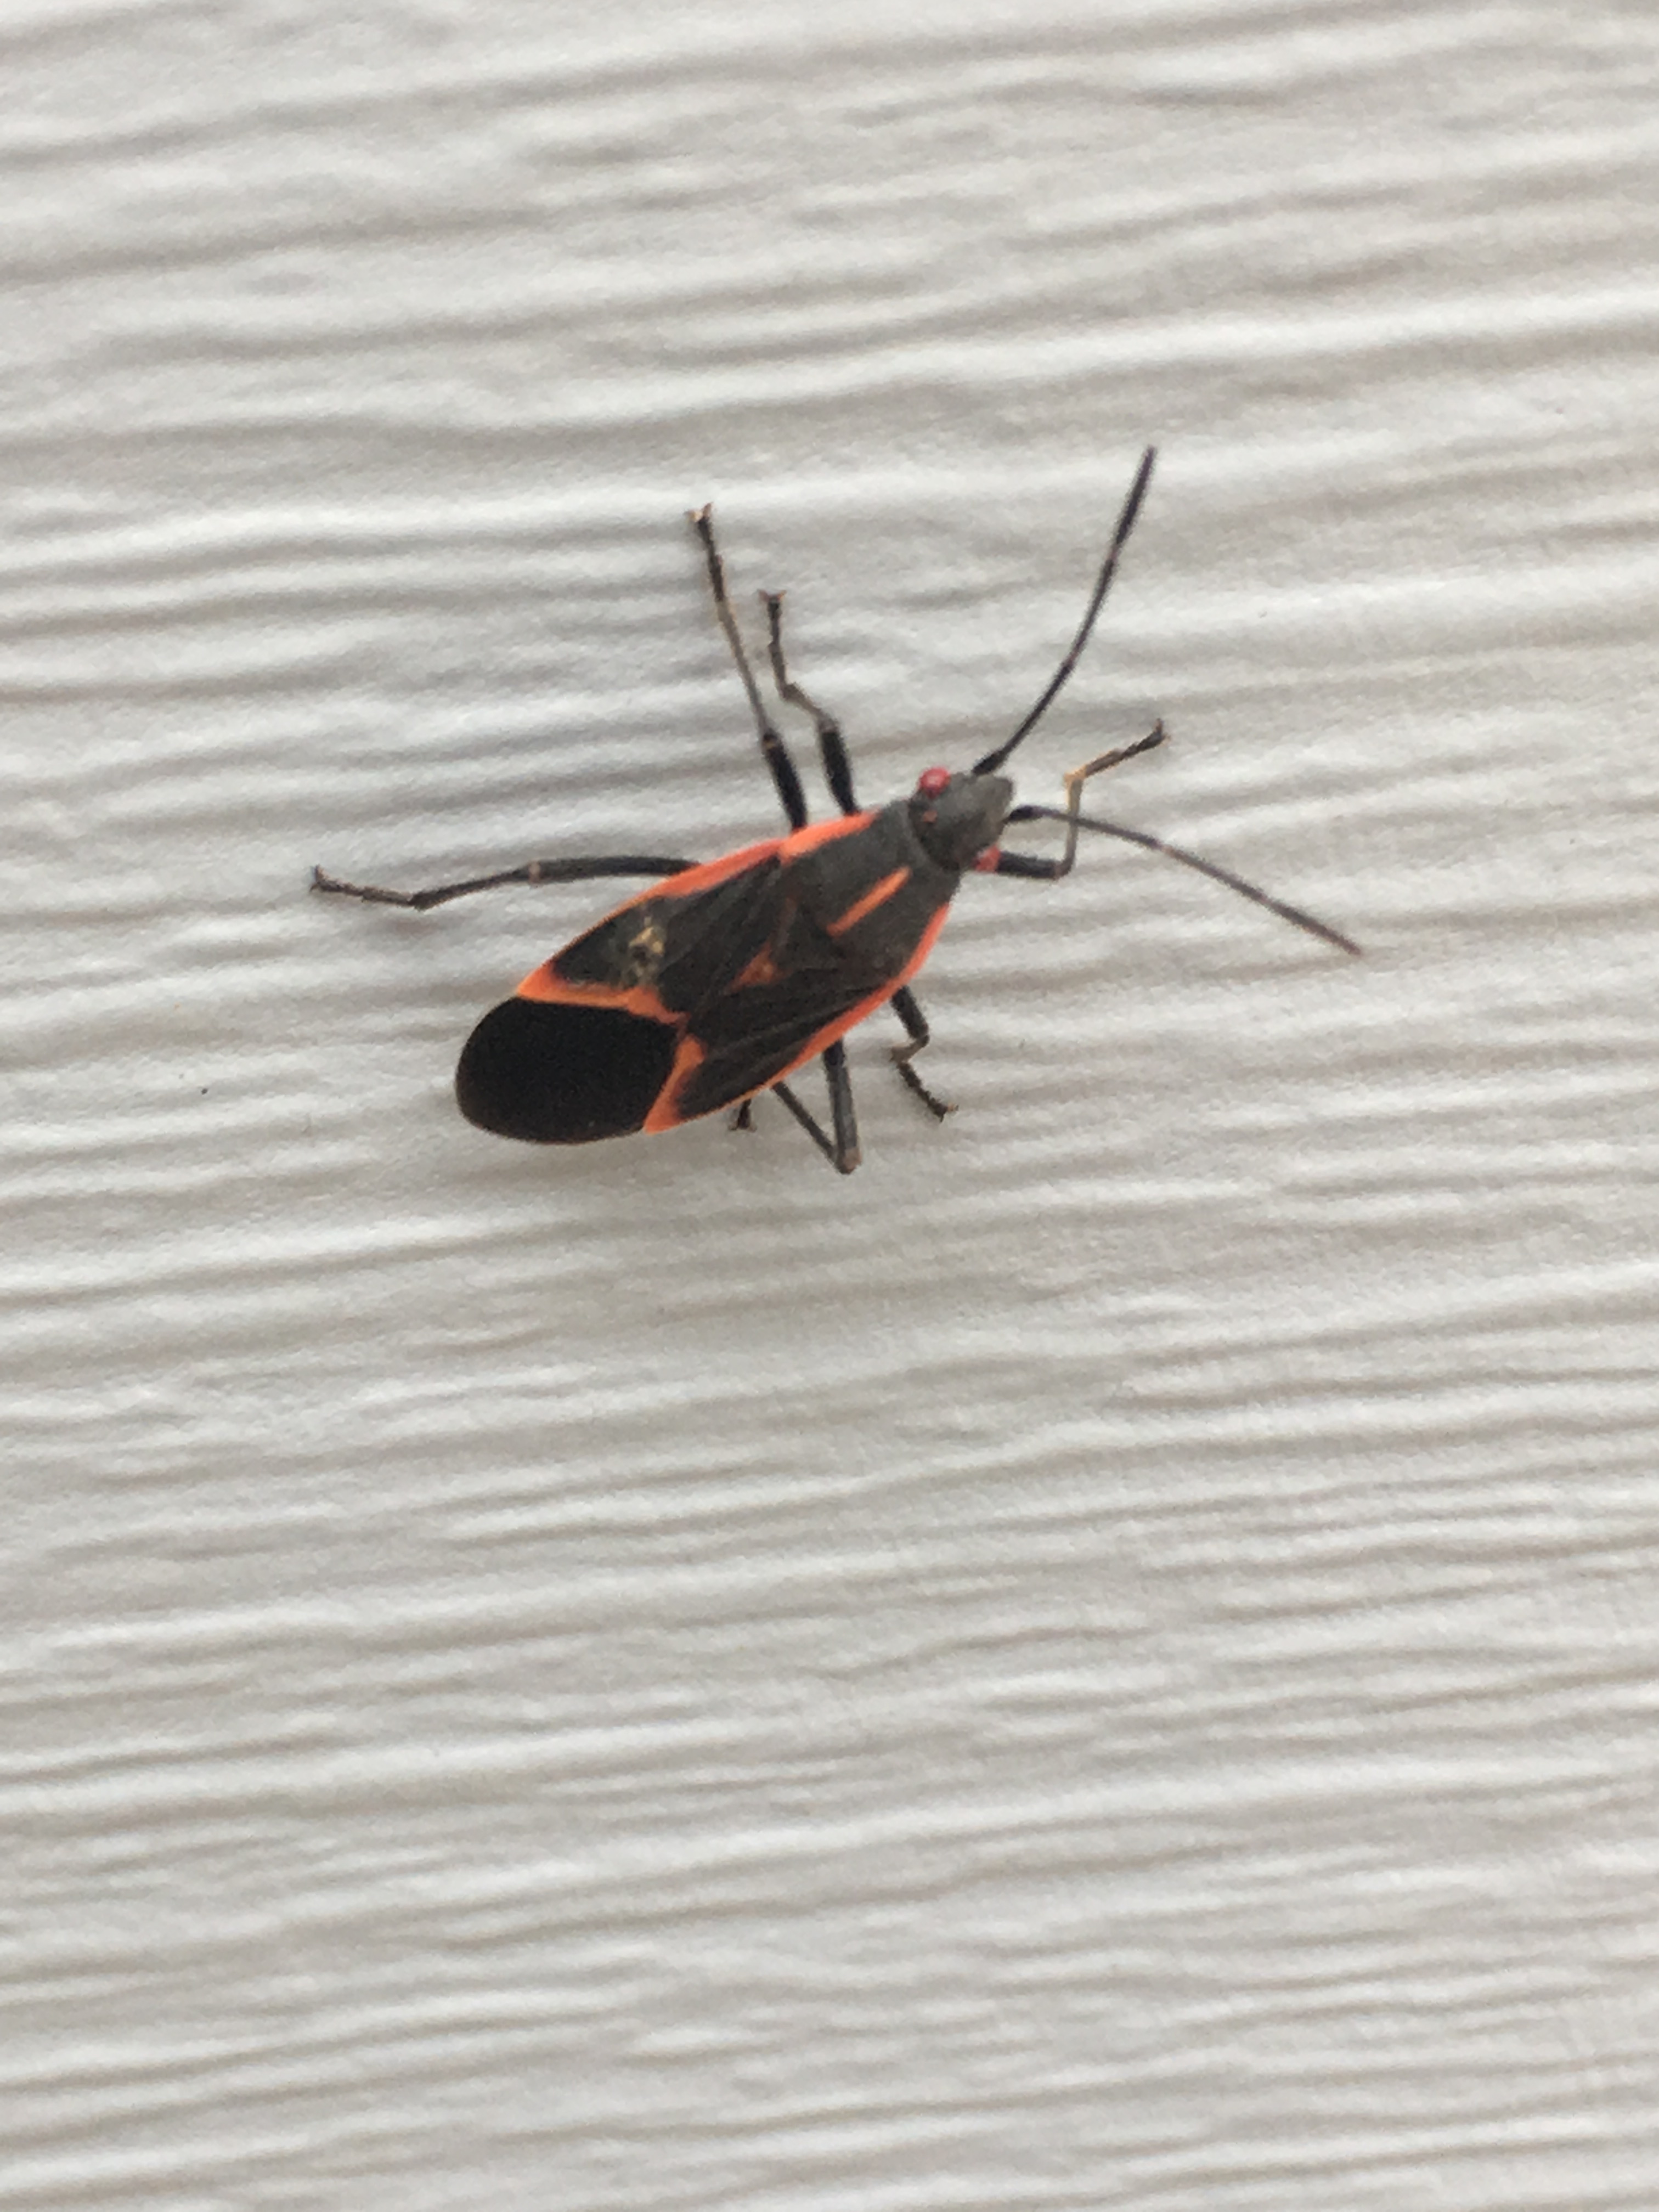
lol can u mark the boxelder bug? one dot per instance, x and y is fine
(727, 976)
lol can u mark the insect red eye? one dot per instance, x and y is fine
(931, 781)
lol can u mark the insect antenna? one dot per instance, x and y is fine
(1125, 523)
(1144, 838)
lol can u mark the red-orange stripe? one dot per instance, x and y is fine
(552, 990)
(825, 833)
(871, 899)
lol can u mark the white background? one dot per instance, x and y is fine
(1108, 1659)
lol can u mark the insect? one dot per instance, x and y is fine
(726, 976)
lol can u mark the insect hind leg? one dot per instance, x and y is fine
(576, 870)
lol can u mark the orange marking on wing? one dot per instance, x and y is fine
(545, 983)
(554, 991)
(763, 969)
(666, 1114)
(708, 873)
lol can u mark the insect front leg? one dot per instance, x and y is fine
(1037, 865)
(832, 746)
(577, 870)
(1047, 871)
(774, 751)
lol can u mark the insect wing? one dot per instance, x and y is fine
(583, 1048)
(756, 1035)
(858, 914)
(563, 1073)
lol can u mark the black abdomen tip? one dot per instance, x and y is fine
(563, 1073)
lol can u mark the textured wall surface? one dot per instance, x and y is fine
(1108, 1659)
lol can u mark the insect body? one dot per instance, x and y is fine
(723, 978)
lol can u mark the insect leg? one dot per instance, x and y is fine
(1050, 870)
(1028, 864)
(915, 1022)
(843, 1150)
(845, 1121)
(776, 753)
(574, 871)
(832, 747)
